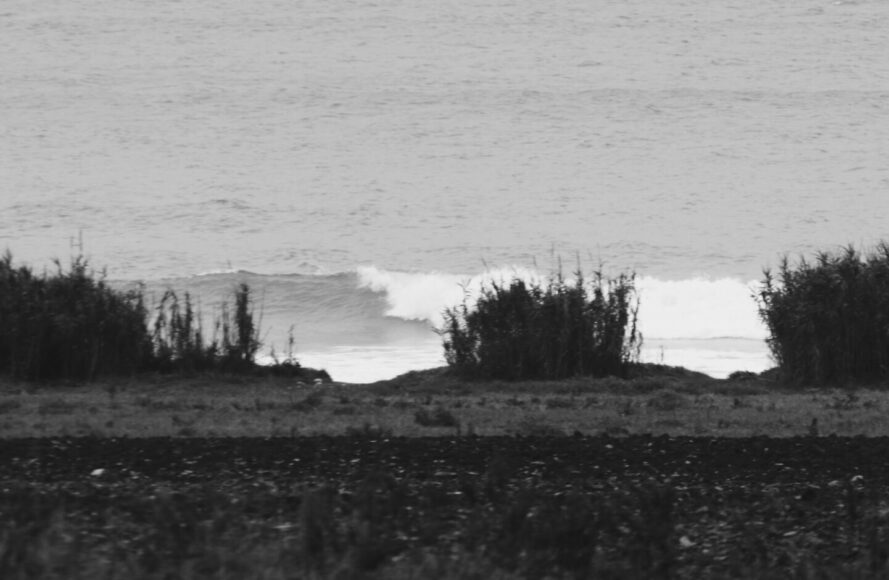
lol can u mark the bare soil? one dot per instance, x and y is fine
(574, 506)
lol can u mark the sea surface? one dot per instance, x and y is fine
(363, 164)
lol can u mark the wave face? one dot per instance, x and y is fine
(373, 323)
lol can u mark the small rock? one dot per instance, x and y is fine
(97, 472)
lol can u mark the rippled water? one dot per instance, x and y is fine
(691, 141)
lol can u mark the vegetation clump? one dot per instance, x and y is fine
(69, 325)
(72, 325)
(528, 330)
(828, 320)
(178, 342)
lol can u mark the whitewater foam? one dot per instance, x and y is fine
(425, 296)
(696, 308)
(421, 296)
(708, 325)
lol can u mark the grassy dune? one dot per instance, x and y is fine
(659, 400)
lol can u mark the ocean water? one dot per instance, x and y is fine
(361, 163)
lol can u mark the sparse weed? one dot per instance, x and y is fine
(368, 431)
(515, 402)
(560, 403)
(846, 402)
(667, 400)
(740, 403)
(56, 407)
(311, 402)
(440, 417)
(536, 426)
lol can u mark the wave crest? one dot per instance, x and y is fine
(695, 308)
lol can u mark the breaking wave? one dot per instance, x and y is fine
(380, 322)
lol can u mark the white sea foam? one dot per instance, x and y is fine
(425, 296)
(698, 308)
(420, 296)
(670, 309)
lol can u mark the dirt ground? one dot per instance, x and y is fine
(531, 507)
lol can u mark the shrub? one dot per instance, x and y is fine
(523, 330)
(828, 321)
(72, 325)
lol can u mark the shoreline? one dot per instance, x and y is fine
(717, 357)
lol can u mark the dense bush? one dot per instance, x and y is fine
(68, 325)
(527, 330)
(829, 320)
(72, 325)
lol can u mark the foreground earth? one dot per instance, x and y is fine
(374, 506)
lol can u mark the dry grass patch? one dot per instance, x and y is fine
(204, 407)
(667, 400)
(440, 417)
(58, 406)
(536, 425)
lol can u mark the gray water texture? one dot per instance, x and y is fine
(677, 138)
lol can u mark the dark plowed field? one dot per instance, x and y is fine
(521, 507)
